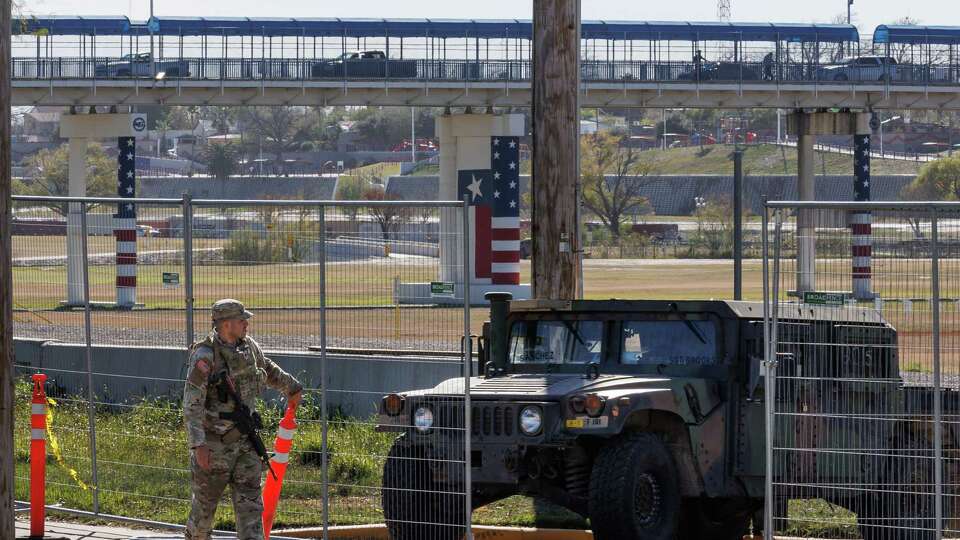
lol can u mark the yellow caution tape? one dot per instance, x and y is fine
(55, 446)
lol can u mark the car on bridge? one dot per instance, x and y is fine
(861, 69)
(721, 71)
(141, 65)
(365, 65)
(648, 417)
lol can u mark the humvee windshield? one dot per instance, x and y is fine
(683, 342)
(556, 342)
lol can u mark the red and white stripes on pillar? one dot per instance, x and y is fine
(125, 223)
(38, 455)
(861, 232)
(860, 222)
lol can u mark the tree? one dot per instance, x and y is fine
(937, 181)
(350, 188)
(612, 179)
(221, 159)
(222, 118)
(50, 174)
(278, 129)
(714, 226)
(388, 217)
(382, 128)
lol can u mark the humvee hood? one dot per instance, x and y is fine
(540, 386)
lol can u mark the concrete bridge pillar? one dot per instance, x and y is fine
(79, 129)
(861, 223)
(76, 187)
(806, 126)
(480, 159)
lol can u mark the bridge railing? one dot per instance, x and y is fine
(245, 69)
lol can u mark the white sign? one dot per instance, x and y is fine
(138, 124)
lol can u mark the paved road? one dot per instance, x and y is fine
(74, 531)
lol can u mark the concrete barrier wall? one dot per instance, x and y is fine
(124, 374)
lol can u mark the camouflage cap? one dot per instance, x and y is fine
(228, 308)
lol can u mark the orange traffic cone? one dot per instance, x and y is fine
(282, 446)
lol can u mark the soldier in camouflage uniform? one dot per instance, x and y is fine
(220, 454)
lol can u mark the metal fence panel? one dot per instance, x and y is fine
(864, 390)
(339, 292)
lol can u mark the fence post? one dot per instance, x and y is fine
(938, 398)
(467, 372)
(324, 460)
(770, 388)
(767, 383)
(187, 212)
(88, 342)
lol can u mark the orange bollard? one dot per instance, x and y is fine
(281, 455)
(38, 455)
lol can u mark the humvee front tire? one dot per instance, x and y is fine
(634, 490)
(714, 519)
(414, 505)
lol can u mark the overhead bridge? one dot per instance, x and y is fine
(245, 61)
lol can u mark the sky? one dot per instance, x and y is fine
(866, 13)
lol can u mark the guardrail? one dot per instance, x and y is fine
(303, 69)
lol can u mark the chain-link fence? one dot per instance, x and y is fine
(357, 300)
(863, 379)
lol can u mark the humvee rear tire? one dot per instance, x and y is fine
(416, 507)
(634, 490)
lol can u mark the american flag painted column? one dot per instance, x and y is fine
(494, 198)
(125, 223)
(860, 222)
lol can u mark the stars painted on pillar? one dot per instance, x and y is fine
(513, 166)
(496, 175)
(496, 155)
(513, 144)
(474, 188)
(496, 142)
(496, 194)
(513, 204)
(861, 167)
(513, 185)
(129, 156)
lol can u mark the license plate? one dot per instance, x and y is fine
(585, 422)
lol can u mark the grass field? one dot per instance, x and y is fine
(287, 296)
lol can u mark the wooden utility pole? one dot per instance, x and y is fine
(556, 145)
(6, 284)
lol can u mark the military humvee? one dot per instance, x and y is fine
(648, 418)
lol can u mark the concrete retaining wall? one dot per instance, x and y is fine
(128, 374)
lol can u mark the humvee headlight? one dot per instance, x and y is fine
(423, 418)
(593, 404)
(531, 420)
(578, 403)
(392, 404)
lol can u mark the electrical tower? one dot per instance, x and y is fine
(723, 10)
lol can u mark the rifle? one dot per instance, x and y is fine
(246, 421)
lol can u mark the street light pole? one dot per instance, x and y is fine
(849, 3)
(153, 60)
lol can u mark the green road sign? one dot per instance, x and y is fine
(441, 288)
(824, 298)
(171, 279)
